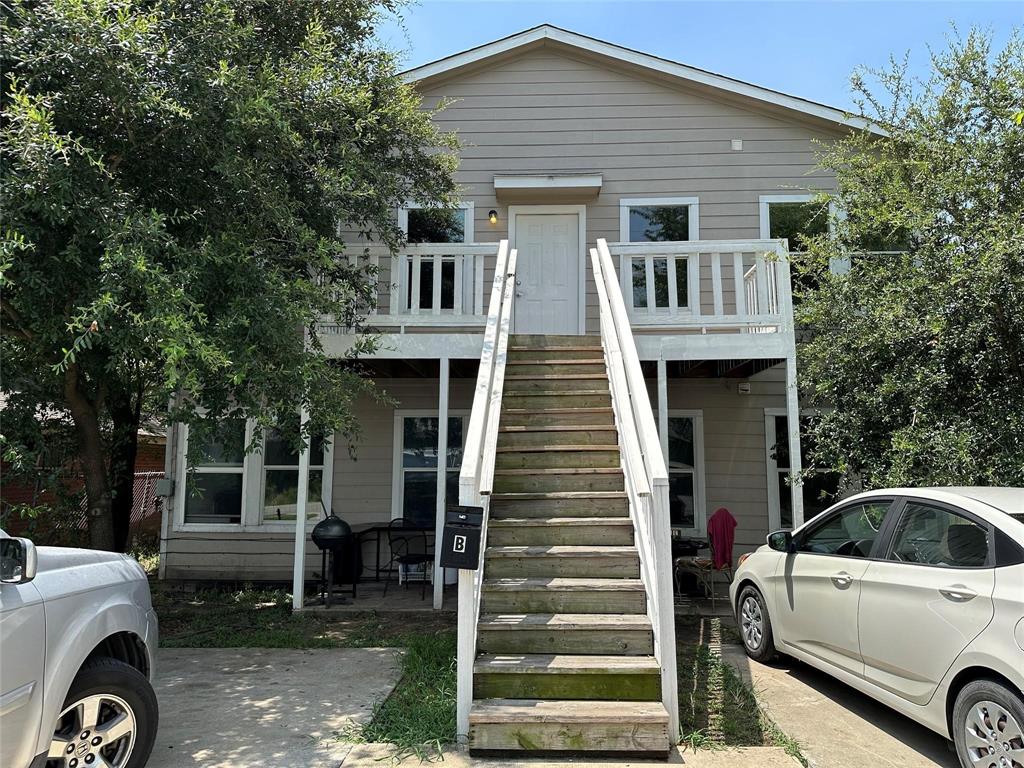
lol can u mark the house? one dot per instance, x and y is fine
(624, 218)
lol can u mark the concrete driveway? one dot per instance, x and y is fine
(836, 726)
(244, 707)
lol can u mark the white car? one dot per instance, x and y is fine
(912, 596)
(77, 638)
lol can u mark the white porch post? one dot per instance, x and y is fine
(442, 477)
(793, 424)
(663, 407)
(299, 572)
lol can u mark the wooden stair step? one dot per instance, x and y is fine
(556, 457)
(564, 622)
(560, 471)
(558, 503)
(519, 522)
(576, 633)
(556, 725)
(555, 377)
(563, 595)
(579, 531)
(563, 585)
(566, 448)
(557, 361)
(564, 664)
(520, 428)
(596, 677)
(581, 561)
(554, 711)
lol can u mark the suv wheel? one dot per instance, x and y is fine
(755, 625)
(988, 726)
(109, 719)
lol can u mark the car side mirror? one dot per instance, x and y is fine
(17, 561)
(781, 541)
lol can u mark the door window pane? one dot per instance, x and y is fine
(850, 532)
(682, 500)
(659, 223)
(437, 225)
(680, 443)
(935, 536)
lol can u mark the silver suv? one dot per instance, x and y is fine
(77, 639)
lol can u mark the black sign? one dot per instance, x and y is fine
(460, 544)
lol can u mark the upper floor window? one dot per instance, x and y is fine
(793, 217)
(437, 225)
(658, 219)
(658, 281)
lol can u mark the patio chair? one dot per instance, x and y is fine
(409, 547)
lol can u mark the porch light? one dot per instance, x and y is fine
(492, 216)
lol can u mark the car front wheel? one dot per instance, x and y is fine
(108, 720)
(755, 625)
(988, 726)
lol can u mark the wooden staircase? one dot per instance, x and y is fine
(564, 644)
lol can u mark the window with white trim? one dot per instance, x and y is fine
(281, 479)
(417, 465)
(793, 217)
(658, 282)
(432, 226)
(214, 490)
(685, 464)
(820, 488)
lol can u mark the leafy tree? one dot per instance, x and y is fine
(917, 355)
(175, 176)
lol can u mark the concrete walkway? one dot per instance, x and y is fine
(366, 755)
(245, 707)
(836, 726)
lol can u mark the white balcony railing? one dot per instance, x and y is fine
(705, 285)
(436, 285)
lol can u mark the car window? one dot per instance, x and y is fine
(850, 532)
(933, 535)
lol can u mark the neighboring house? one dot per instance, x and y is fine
(566, 139)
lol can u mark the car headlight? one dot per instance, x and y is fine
(743, 559)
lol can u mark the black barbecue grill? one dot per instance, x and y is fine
(340, 557)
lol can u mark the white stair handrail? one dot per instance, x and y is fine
(476, 477)
(644, 468)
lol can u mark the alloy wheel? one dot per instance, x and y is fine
(751, 623)
(994, 737)
(93, 732)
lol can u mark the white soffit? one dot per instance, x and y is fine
(579, 183)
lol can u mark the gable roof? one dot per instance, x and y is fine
(546, 34)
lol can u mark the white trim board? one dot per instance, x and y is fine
(581, 216)
(546, 32)
(549, 181)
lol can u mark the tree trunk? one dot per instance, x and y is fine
(85, 414)
(125, 444)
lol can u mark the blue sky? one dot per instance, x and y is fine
(807, 49)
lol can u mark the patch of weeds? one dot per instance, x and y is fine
(717, 708)
(418, 718)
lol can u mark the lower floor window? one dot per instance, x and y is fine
(418, 467)
(684, 461)
(820, 488)
(214, 490)
(281, 479)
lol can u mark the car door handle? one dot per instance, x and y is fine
(842, 580)
(958, 594)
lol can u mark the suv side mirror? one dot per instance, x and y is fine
(781, 541)
(17, 561)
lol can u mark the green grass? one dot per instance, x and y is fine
(262, 618)
(717, 708)
(418, 718)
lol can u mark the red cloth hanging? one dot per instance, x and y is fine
(721, 533)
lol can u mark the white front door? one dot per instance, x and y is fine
(547, 273)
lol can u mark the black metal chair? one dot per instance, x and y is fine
(409, 546)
